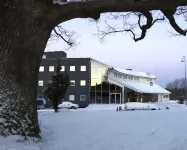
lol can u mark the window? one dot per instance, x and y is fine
(82, 97)
(44, 57)
(151, 83)
(147, 79)
(71, 97)
(120, 76)
(72, 82)
(83, 68)
(51, 68)
(136, 78)
(166, 96)
(63, 68)
(41, 69)
(40, 83)
(72, 68)
(130, 77)
(125, 77)
(115, 74)
(83, 82)
(150, 79)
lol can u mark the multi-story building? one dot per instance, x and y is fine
(92, 81)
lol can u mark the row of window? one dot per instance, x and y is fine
(126, 76)
(71, 68)
(82, 82)
(72, 83)
(72, 97)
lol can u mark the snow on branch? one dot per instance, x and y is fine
(62, 2)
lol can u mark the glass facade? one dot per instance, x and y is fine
(102, 92)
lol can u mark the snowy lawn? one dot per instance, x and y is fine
(109, 130)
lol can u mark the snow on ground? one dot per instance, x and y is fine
(109, 130)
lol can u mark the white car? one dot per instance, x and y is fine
(138, 106)
(68, 105)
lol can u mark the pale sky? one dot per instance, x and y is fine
(159, 53)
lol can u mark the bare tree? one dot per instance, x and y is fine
(176, 87)
(176, 84)
(69, 37)
(25, 27)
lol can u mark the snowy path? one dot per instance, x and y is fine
(110, 130)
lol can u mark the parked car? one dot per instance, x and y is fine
(41, 103)
(137, 106)
(68, 105)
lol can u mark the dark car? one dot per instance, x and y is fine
(41, 103)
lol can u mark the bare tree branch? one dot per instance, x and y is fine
(169, 14)
(93, 9)
(69, 43)
(150, 21)
(67, 36)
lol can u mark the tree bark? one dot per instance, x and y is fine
(23, 38)
(55, 105)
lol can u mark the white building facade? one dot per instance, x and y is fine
(110, 85)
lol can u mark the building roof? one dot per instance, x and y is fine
(129, 72)
(100, 62)
(145, 88)
(135, 73)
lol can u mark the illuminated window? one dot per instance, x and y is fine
(83, 82)
(40, 83)
(71, 97)
(72, 68)
(72, 82)
(83, 68)
(63, 68)
(41, 69)
(51, 68)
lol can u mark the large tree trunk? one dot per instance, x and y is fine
(23, 37)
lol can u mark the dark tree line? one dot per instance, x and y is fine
(176, 87)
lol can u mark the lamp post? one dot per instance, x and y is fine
(184, 61)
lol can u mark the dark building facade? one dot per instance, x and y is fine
(78, 70)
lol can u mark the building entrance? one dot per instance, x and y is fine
(115, 98)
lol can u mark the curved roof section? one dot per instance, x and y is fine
(143, 87)
(135, 73)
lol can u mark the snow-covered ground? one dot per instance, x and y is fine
(95, 129)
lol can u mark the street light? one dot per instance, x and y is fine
(184, 61)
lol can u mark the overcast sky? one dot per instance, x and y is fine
(159, 53)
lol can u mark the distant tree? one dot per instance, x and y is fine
(176, 84)
(181, 98)
(176, 87)
(57, 86)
